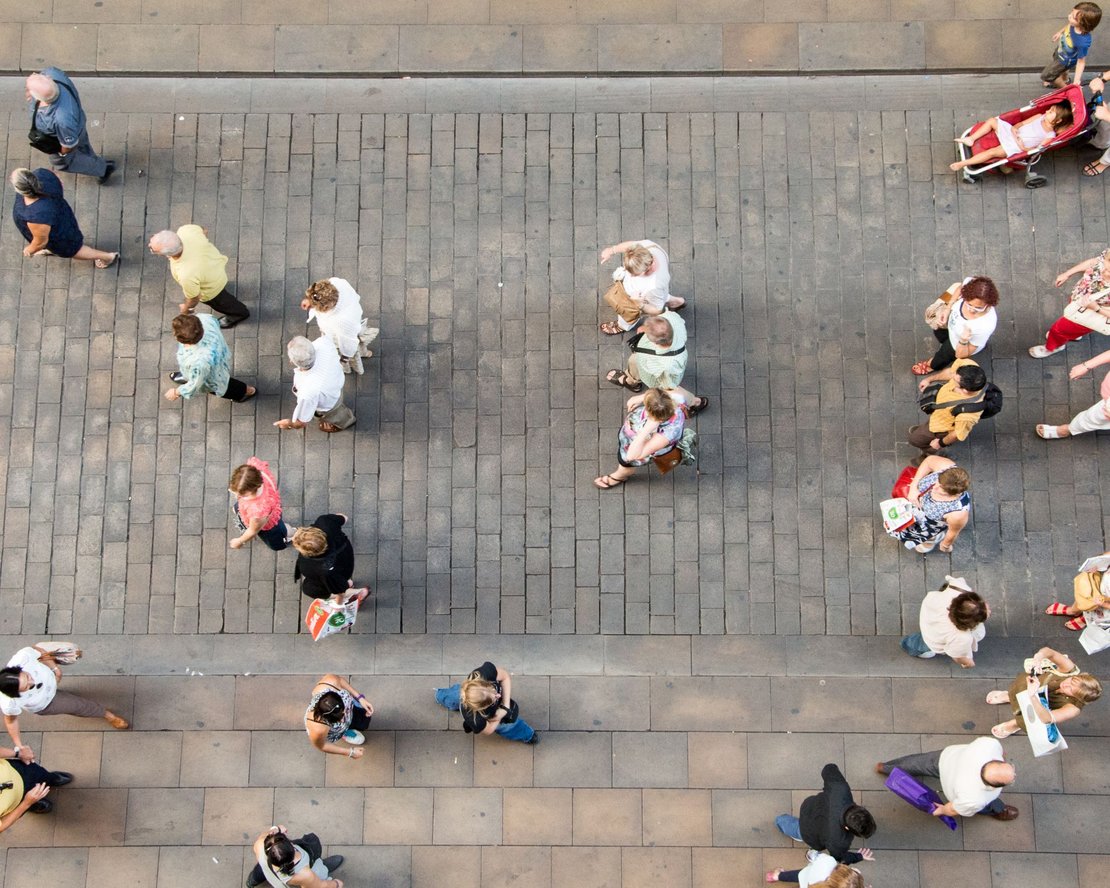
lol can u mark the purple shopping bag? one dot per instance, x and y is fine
(917, 794)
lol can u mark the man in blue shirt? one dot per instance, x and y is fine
(60, 114)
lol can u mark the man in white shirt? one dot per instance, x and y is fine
(318, 385)
(972, 776)
(29, 683)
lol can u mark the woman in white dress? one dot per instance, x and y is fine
(337, 310)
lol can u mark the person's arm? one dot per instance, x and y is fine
(318, 736)
(966, 662)
(964, 348)
(193, 378)
(944, 375)
(348, 687)
(1079, 67)
(25, 753)
(956, 522)
(1081, 268)
(253, 527)
(646, 442)
(928, 465)
(40, 234)
(306, 878)
(34, 794)
(622, 247)
(1097, 361)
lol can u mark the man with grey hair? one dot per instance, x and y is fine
(56, 111)
(318, 385)
(201, 270)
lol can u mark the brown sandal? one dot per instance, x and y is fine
(606, 482)
(610, 328)
(329, 427)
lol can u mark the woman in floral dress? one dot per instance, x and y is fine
(941, 505)
(653, 427)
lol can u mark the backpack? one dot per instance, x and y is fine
(990, 405)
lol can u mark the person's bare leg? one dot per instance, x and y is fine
(981, 157)
(92, 254)
(979, 132)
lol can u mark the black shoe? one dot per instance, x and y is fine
(60, 778)
(227, 323)
(177, 377)
(534, 739)
(42, 806)
(108, 173)
(334, 862)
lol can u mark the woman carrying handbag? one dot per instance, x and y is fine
(651, 431)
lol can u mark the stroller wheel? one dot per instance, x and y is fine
(1034, 180)
(970, 178)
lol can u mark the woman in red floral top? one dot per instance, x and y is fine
(258, 506)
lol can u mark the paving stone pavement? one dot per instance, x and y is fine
(530, 36)
(691, 646)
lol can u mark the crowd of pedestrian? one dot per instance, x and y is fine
(954, 392)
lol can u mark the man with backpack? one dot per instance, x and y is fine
(955, 398)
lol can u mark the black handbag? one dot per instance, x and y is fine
(47, 143)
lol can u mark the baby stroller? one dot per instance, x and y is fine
(1082, 126)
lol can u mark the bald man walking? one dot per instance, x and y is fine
(56, 110)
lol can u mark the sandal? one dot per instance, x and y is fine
(251, 392)
(678, 307)
(101, 263)
(329, 427)
(620, 378)
(1047, 431)
(922, 368)
(605, 482)
(610, 328)
(925, 548)
(997, 698)
(1056, 609)
(1002, 732)
(1075, 625)
(1094, 168)
(698, 408)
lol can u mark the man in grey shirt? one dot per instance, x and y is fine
(52, 99)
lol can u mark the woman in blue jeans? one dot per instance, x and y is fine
(485, 700)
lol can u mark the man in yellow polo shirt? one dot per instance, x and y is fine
(201, 270)
(963, 382)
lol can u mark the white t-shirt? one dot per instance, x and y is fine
(319, 388)
(961, 769)
(343, 323)
(35, 699)
(654, 289)
(937, 629)
(820, 868)
(981, 324)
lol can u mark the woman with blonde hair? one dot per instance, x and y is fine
(487, 706)
(326, 560)
(641, 286)
(1068, 690)
(821, 872)
(258, 506)
(652, 428)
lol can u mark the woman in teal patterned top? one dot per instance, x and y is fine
(204, 361)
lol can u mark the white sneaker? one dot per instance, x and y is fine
(355, 738)
(928, 655)
(1040, 351)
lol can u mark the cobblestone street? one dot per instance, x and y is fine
(692, 647)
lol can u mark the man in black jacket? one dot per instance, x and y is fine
(830, 820)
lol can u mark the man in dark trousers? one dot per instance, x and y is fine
(830, 820)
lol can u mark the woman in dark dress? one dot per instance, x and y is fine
(46, 221)
(326, 560)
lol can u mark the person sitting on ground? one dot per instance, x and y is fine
(1026, 136)
(962, 383)
(46, 220)
(952, 623)
(337, 712)
(1069, 690)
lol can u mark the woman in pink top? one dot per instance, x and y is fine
(1094, 418)
(258, 506)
